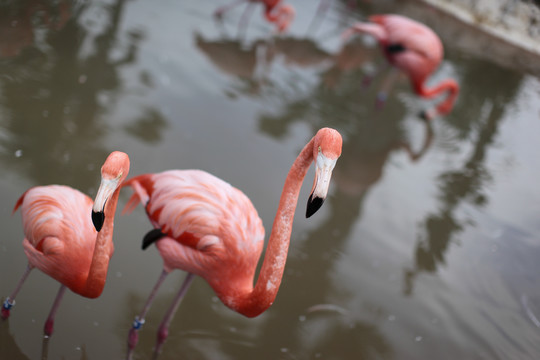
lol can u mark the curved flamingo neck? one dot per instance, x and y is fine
(267, 286)
(375, 30)
(449, 86)
(103, 249)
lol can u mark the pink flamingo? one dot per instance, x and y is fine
(415, 49)
(206, 227)
(60, 240)
(280, 14)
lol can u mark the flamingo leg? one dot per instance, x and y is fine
(133, 336)
(49, 323)
(45, 348)
(223, 9)
(368, 78)
(386, 87)
(163, 330)
(244, 19)
(10, 300)
(319, 14)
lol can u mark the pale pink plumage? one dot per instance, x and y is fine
(415, 49)
(195, 209)
(58, 233)
(60, 239)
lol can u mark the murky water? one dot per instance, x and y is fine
(426, 248)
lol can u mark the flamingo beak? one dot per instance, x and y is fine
(106, 189)
(323, 174)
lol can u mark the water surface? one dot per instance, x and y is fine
(426, 247)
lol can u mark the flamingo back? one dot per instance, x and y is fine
(207, 221)
(58, 232)
(424, 50)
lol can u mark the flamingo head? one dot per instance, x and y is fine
(113, 172)
(326, 150)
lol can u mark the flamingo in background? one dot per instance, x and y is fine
(60, 240)
(280, 14)
(206, 227)
(415, 49)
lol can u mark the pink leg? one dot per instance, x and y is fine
(319, 14)
(10, 300)
(222, 10)
(49, 323)
(133, 336)
(387, 85)
(242, 25)
(368, 78)
(163, 330)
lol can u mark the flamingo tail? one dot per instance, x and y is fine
(19, 202)
(140, 194)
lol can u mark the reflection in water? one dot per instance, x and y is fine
(19, 23)
(275, 11)
(468, 183)
(55, 96)
(8, 345)
(149, 127)
(250, 64)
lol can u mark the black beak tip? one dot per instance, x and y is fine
(98, 218)
(314, 204)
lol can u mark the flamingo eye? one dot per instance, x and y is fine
(320, 149)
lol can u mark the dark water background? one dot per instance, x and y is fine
(426, 248)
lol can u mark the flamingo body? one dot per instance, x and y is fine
(59, 235)
(68, 236)
(207, 223)
(416, 50)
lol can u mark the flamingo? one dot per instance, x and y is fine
(206, 227)
(279, 14)
(415, 49)
(69, 237)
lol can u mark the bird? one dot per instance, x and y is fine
(274, 11)
(68, 236)
(416, 50)
(207, 227)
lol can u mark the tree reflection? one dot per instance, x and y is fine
(57, 93)
(467, 184)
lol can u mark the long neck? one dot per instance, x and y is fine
(102, 251)
(267, 286)
(450, 86)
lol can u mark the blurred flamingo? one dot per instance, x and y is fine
(60, 239)
(206, 227)
(415, 49)
(279, 14)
